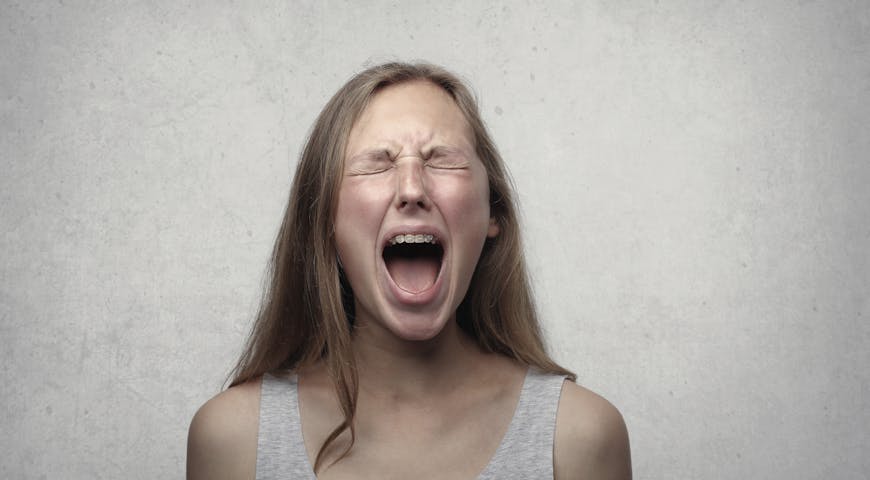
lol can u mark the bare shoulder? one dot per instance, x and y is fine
(222, 441)
(591, 437)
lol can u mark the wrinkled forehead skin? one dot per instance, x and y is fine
(445, 123)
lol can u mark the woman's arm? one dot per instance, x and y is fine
(222, 441)
(591, 438)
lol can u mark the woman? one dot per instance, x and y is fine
(398, 338)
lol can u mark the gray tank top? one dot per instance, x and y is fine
(526, 451)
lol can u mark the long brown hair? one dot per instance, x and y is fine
(306, 313)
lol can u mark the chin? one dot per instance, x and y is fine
(417, 327)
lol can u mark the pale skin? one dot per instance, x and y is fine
(431, 403)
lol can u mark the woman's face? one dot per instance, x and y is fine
(413, 210)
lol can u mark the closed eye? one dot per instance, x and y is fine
(369, 163)
(446, 159)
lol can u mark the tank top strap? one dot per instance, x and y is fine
(526, 451)
(281, 451)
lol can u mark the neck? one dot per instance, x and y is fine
(399, 368)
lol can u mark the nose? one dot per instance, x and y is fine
(411, 189)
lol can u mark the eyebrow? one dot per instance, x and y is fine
(444, 150)
(370, 153)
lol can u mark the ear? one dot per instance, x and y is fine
(493, 229)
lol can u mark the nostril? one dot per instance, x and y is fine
(421, 204)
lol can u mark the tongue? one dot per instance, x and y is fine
(413, 274)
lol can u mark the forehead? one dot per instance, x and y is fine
(410, 114)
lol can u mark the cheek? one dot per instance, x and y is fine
(357, 218)
(466, 202)
(357, 202)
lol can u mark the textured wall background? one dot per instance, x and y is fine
(694, 178)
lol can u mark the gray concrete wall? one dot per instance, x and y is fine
(693, 176)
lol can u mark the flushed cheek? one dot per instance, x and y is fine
(359, 203)
(467, 216)
(357, 219)
(465, 204)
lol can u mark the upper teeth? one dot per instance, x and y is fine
(413, 238)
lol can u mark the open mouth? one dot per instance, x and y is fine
(413, 261)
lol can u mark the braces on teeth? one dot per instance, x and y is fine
(412, 238)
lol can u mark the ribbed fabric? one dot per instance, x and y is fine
(526, 451)
(280, 450)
